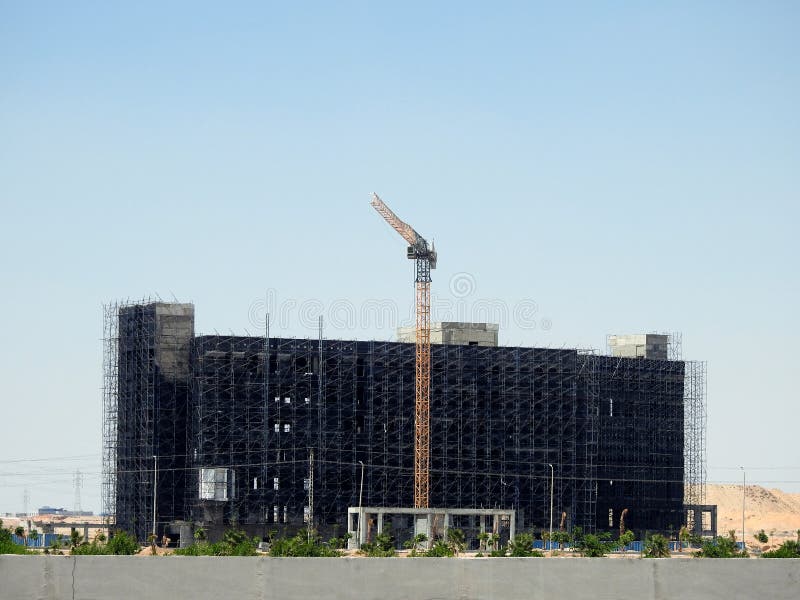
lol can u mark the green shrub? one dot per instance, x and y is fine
(722, 547)
(522, 545)
(440, 548)
(594, 545)
(7, 546)
(301, 545)
(656, 546)
(789, 549)
(762, 537)
(382, 546)
(122, 543)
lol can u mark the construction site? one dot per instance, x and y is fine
(443, 428)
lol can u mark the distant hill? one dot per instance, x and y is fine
(775, 511)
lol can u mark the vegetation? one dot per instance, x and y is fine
(656, 546)
(382, 546)
(762, 537)
(522, 545)
(234, 543)
(120, 543)
(722, 547)
(416, 544)
(594, 545)
(303, 545)
(625, 539)
(440, 548)
(483, 538)
(562, 538)
(456, 540)
(75, 538)
(7, 546)
(789, 549)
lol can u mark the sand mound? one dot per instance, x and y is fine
(770, 509)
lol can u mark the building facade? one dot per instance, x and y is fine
(267, 434)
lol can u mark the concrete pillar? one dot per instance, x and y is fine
(380, 523)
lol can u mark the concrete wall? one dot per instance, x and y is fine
(455, 333)
(174, 578)
(645, 345)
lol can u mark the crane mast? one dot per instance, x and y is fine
(424, 257)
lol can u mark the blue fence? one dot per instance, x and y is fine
(43, 541)
(636, 546)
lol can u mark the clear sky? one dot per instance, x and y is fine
(584, 168)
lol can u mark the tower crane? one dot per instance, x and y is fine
(424, 256)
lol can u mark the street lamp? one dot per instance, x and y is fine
(551, 505)
(360, 497)
(155, 494)
(744, 488)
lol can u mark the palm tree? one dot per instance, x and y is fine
(20, 532)
(456, 540)
(483, 537)
(657, 546)
(34, 535)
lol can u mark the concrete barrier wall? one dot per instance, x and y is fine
(200, 578)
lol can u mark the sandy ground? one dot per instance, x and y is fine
(774, 511)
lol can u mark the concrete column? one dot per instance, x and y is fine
(512, 527)
(483, 523)
(380, 523)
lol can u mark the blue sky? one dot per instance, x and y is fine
(625, 166)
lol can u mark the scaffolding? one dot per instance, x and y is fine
(235, 421)
(110, 395)
(694, 401)
(641, 462)
(146, 396)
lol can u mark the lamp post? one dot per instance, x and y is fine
(155, 492)
(744, 488)
(551, 504)
(360, 498)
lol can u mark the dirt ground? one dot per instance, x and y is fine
(775, 511)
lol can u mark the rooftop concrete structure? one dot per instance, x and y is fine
(641, 345)
(455, 333)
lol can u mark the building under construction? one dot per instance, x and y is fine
(273, 433)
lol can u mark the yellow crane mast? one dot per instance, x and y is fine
(425, 259)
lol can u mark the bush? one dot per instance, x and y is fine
(762, 537)
(522, 545)
(300, 545)
(440, 548)
(656, 546)
(7, 546)
(382, 546)
(234, 543)
(722, 547)
(122, 543)
(789, 549)
(595, 545)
